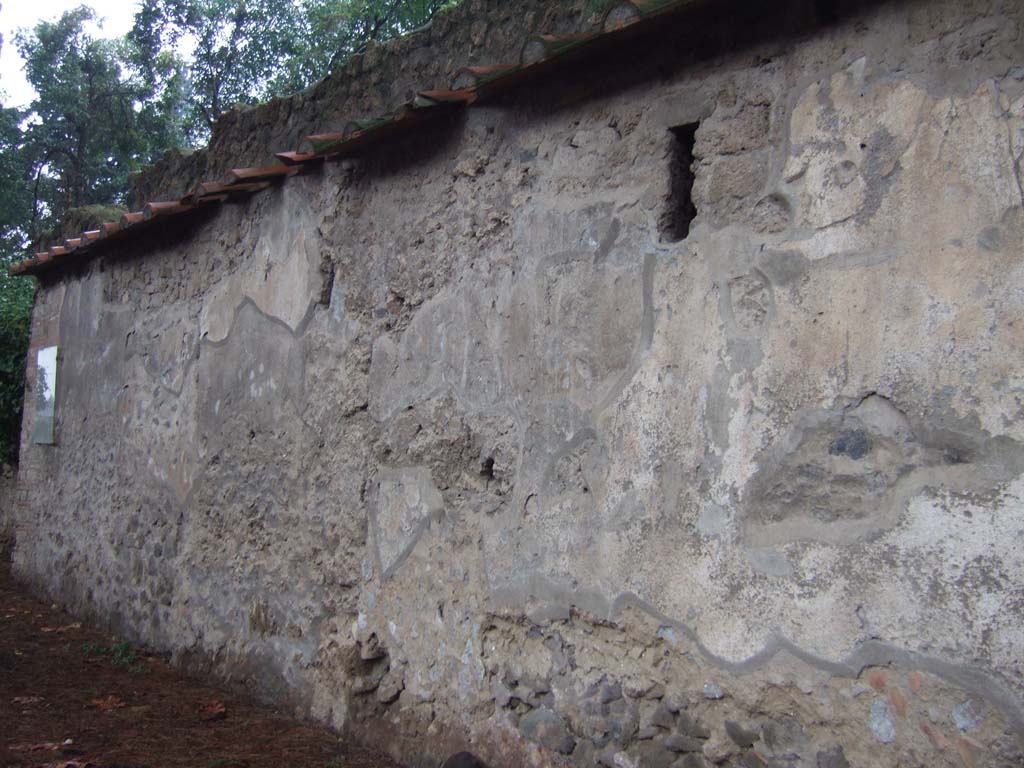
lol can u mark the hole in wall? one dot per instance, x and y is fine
(680, 210)
(487, 468)
(827, 11)
(327, 270)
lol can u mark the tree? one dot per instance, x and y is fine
(246, 51)
(15, 182)
(83, 130)
(239, 46)
(16, 294)
(16, 298)
(340, 28)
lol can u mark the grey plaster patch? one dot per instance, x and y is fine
(966, 717)
(406, 502)
(713, 520)
(258, 365)
(783, 267)
(770, 562)
(287, 280)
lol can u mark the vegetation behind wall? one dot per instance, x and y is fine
(16, 295)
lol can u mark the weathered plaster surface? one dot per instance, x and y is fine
(450, 447)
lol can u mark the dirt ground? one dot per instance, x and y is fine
(73, 697)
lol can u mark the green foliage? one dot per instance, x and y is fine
(15, 182)
(91, 649)
(16, 294)
(122, 654)
(340, 28)
(16, 297)
(239, 45)
(247, 51)
(87, 127)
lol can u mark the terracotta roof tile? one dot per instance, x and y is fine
(627, 12)
(445, 96)
(469, 86)
(239, 175)
(296, 158)
(547, 47)
(128, 219)
(172, 208)
(320, 140)
(478, 78)
(217, 191)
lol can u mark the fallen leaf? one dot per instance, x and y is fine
(212, 710)
(61, 630)
(107, 702)
(49, 746)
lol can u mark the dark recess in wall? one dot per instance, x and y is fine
(827, 11)
(680, 211)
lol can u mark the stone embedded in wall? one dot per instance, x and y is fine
(546, 728)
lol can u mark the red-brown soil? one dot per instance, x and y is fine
(71, 697)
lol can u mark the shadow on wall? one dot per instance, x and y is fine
(464, 760)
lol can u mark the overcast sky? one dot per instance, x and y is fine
(16, 14)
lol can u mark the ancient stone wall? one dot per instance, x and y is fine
(8, 495)
(666, 413)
